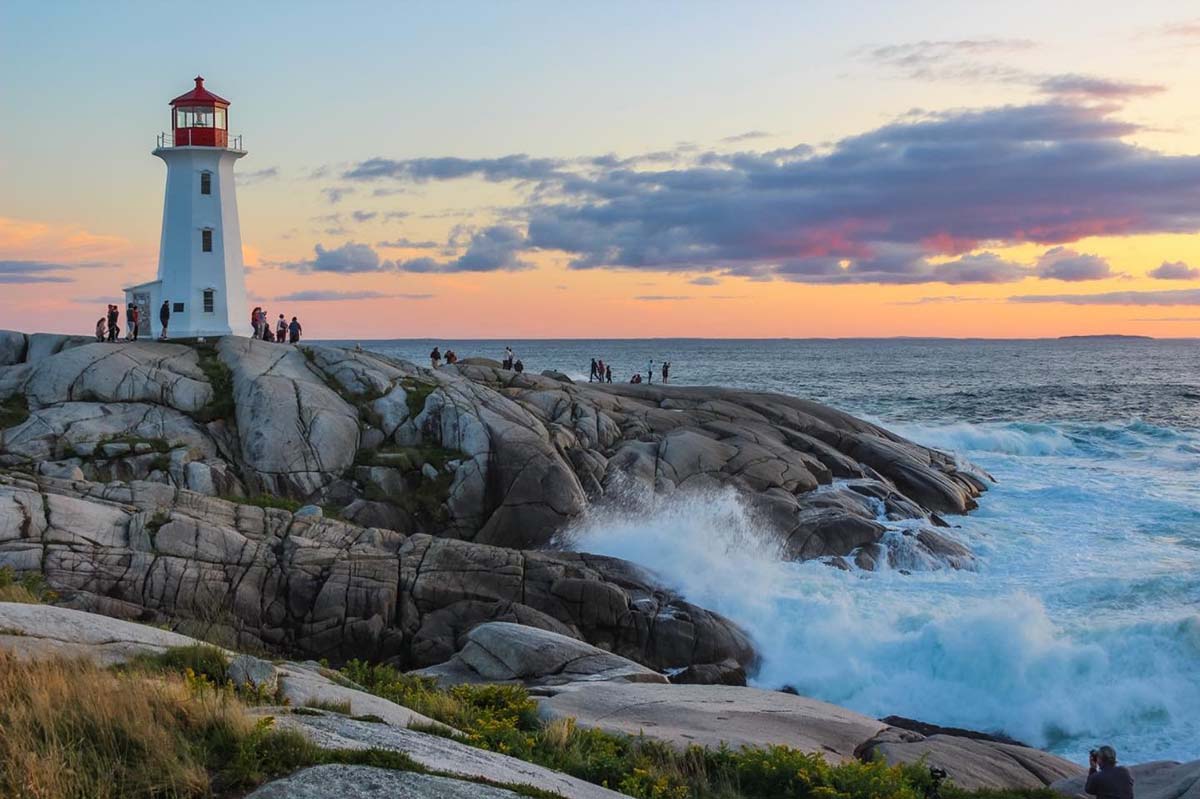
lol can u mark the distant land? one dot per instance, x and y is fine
(1107, 337)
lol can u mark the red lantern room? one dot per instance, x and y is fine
(200, 118)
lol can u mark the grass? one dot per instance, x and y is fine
(28, 589)
(73, 730)
(267, 501)
(415, 394)
(340, 706)
(157, 445)
(13, 411)
(425, 497)
(503, 718)
(221, 406)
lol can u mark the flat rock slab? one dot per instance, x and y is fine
(39, 632)
(368, 782)
(331, 731)
(1162, 779)
(304, 684)
(709, 715)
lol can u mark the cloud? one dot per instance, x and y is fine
(749, 135)
(1061, 263)
(14, 272)
(704, 280)
(1174, 270)
(404, 243)
(491, 249)
(348, 259)
(1175, 297)
(257, 176)
(23, 279)
(661, 297)
(334, 194)
(364, 216)
(1092, 87)
(419, 170)
(318, 295)
(940, 300)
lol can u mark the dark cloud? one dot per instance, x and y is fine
(661, 297)
(1061, 263)
(705, 280)
(21, 279)
(347, 259)
(335, 296)
(1176, 297)
(364, 216)
(14, 272)
(1175, 270)
(495, 248)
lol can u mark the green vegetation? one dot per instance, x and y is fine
(341, 706)
(267, 501)
(415, 394)
(30, 588)
(503, 718)
(134, 443)
(424, 497)
(13, 411)
(73, 730)
(221, 406)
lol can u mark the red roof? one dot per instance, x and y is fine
(199, 96)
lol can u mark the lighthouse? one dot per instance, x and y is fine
(201, 276)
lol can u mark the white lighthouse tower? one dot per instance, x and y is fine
(201, 276)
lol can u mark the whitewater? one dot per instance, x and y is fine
(1080, 624)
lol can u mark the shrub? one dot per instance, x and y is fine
(221, 405)
(30, 588)
(267, 501)
(202, 661)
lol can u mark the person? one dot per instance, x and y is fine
(101, 329)
(128, 321)
(637, 377)
(164, 316)
(254, 321)
(267, 334)
(518, 367)
(281, 329)
(592, 374)
(650, 371)
(114, 329)
(600, 370)
(435, 358)
(666, 370)
(294, 331)
(135, 320)
(508, 358)
(1107, 780)
(451, 357)
(608, 373)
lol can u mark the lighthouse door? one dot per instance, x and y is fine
(142, 300)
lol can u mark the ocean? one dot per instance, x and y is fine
(1081, 625)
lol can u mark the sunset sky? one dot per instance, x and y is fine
(614, 169)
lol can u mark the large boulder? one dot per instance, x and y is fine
(711, 715)
(268, 579)
(506, 652)
(972, 763)
(12, 347)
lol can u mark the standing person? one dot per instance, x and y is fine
(666, 370)
(508, 358)
(294, 331)
(650, 371)
(101, 329)
(135, 321)
(114, 328)
(600, 370)
(281, 330)
(164, 316)
(594, 372)
(1107, 780)
(608, 373)
(128, 321)
(435, 357)
(254, 321)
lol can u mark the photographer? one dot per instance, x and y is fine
(1107, 780)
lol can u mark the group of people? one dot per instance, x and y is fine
(284, 331)
(436, 357)
(108, 327)
(511, 361)
(601, 372)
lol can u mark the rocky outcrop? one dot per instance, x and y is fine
(323, 588)
(368, 782)
(472, 451)
(505, 652)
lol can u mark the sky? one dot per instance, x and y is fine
(609, 170)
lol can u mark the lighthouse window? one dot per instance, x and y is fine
(206, 240)
(208, 300)
(206, 182)
(220, 117)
